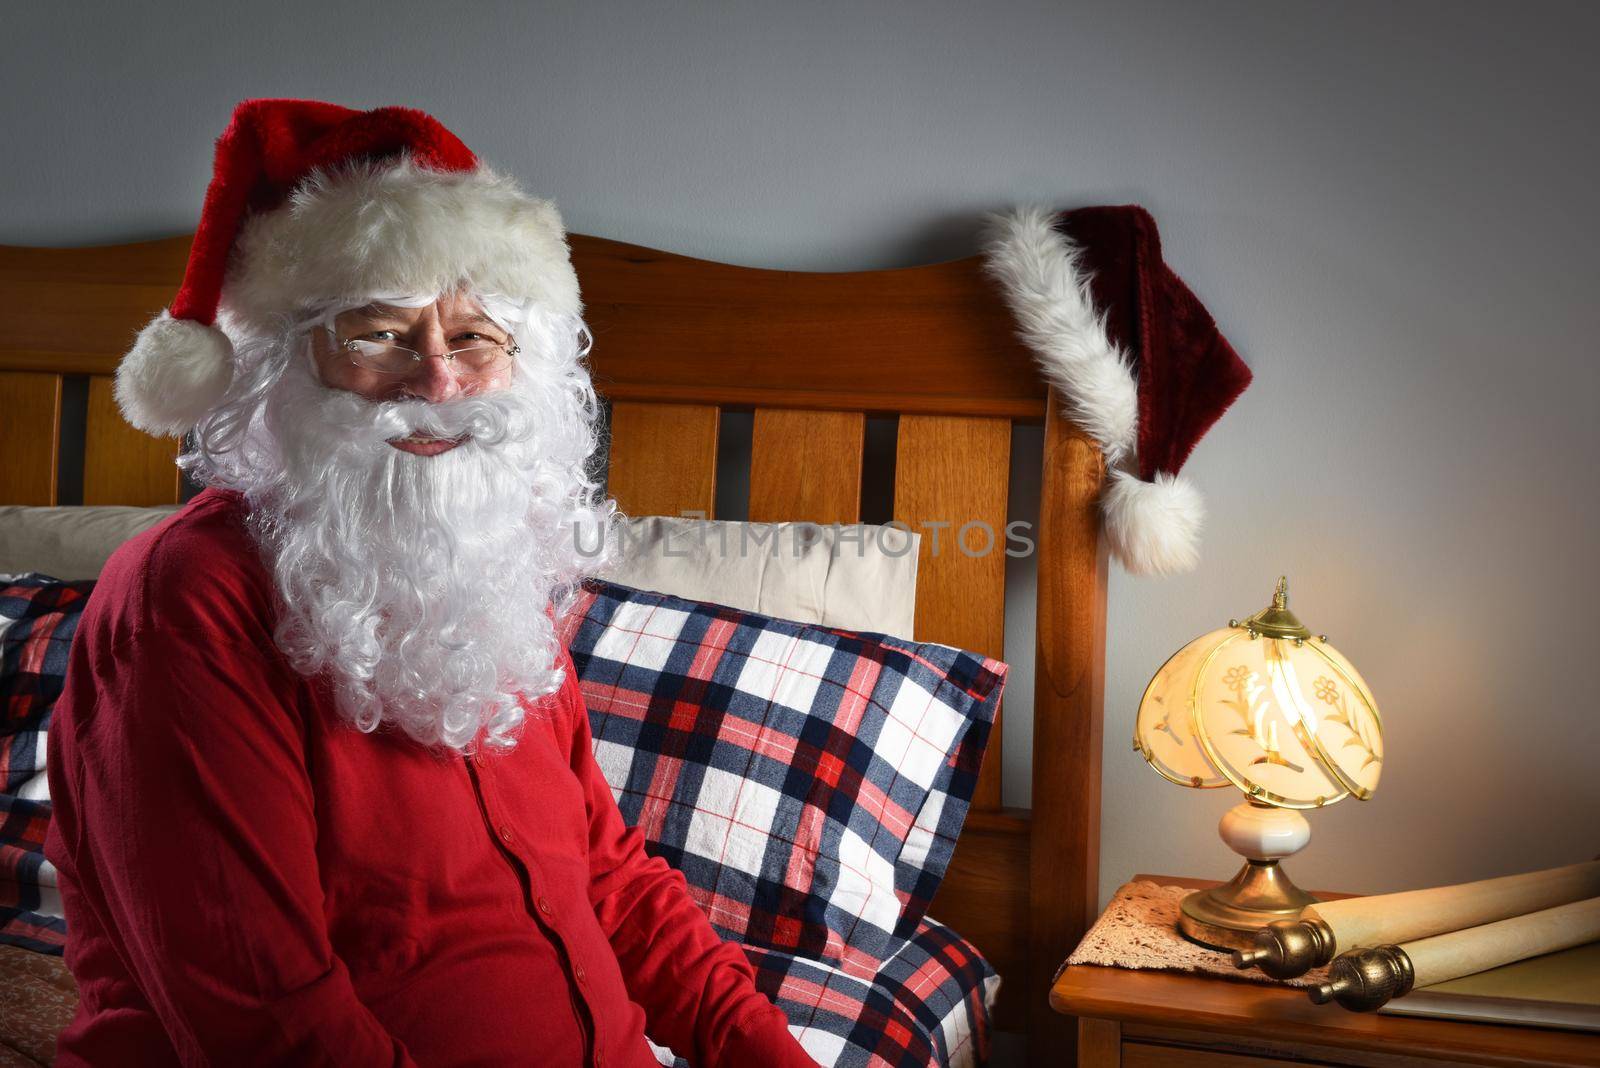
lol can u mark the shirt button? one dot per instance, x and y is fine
(544, 906)
(505, 834)
(578, 971)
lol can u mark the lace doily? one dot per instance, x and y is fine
(1139, 929)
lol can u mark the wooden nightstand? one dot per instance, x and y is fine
(1134, 1019)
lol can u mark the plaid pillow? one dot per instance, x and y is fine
(38, 616)
(809, 782)
(927, 1007)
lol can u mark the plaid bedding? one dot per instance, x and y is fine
(921, 998)
(927, 1006)
(38, 617)
(30, 905)
(808, 782)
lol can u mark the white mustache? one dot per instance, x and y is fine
(488, 419)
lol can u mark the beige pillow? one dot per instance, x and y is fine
(69, 542)
(859, 577)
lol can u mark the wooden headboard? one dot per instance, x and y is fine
(678, 342)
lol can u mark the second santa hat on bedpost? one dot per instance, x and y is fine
(311, 202)
(1135, 357)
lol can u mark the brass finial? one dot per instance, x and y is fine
(1276, 621)
(1287, 949)
(1366, 979)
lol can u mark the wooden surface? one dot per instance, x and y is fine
(677, 341)
(664, 458)
(919, 339)
(1068, 692)
(76, 310)
(1099, 1042)
(984, 896)
(1173, 1018)
(30, 434)
(952, 471)
(120, 464)
(806, 466)
(1150, 1055)
(666, 327)
(1152, 1003)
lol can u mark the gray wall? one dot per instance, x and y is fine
(1388, 207)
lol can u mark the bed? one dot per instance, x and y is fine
(927, 352)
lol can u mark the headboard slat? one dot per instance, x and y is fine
(953, 471)
(664, 458)
(30, 437)
(806, 466)
(122, 465)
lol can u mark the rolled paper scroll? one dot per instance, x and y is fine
(1366, 979)
(1290, 948)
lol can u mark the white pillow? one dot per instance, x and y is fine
(859, 577)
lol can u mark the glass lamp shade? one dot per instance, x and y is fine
(1267, 707)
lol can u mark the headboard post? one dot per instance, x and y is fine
(1069, 689)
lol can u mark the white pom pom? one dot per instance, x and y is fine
(1153, 527)
(175, 372)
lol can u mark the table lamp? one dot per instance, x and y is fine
(1264, 706)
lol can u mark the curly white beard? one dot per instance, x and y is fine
(417, 584)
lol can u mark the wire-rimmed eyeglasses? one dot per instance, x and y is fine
(386, 358)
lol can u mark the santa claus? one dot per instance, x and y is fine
(322, 774)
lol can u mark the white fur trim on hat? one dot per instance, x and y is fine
(1153, 527)
(1038, 268)
(175, 372)
(391, 227)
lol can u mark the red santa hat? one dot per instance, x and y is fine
(312, 202)
(1134, 355)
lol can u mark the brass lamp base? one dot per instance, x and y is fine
(1228, 916)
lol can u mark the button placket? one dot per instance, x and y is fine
(491, 807)
(499, 826)
(480, 773)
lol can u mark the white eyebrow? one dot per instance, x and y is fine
(379, 310)
(376, 309)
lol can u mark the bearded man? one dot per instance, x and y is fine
(322, 776)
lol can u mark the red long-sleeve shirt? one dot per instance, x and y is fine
(248, 880)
